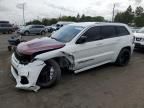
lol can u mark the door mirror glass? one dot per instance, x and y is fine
(82, 40)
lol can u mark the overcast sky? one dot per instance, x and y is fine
(38, 9)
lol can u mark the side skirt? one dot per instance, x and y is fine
(90, 67)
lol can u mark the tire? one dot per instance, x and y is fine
(9, 48)
(26, 33)
(123, 57)
(43, 33)
(44, 79)
(10, 32)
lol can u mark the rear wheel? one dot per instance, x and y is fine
(123, 57)
(50, 74)
(26, 33)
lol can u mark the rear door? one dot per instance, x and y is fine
(114, 38)
(40, 28)
(32, 29)
(110, 41)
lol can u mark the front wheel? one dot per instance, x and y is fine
(50, 74)
(123, 57)
(43, 33)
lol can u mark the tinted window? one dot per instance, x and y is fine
(37, 26)
(122, 31)
(93, 34)
(33, 27)
(6, 25)
(9, 25)
(108, 31)
(40, 26)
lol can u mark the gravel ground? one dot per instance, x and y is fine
(107, 86)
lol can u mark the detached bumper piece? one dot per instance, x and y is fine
(23, 82)
(26, 75)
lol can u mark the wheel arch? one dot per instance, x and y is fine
(42, 31)
(64, 60)
(118, 52)
(118, 61)
(127, 47)
(27, 31)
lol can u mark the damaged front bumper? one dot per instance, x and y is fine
(26, 75)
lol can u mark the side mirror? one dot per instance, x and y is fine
(81, 40)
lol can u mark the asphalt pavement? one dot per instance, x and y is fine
(107, 86)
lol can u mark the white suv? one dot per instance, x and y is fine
(139, 38)
(77, 47)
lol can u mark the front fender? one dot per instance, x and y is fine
(50, 55)
(56, 54)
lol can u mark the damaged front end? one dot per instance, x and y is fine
(25, 67)
(26, 73)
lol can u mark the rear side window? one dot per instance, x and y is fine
(121, 30)
(93, 34)
(33, 26)
(37, 26)
(6, 25)
(108, 31)
(9, 25)
(40, 26)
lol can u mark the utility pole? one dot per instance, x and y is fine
(113, 12)
(60, 16)
(22, 6)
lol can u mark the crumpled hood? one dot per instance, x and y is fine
(139, 35)
(39, 44)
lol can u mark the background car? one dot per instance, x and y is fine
(134, 29)
(139, 38)
(6, 27)
(62, 23)
(49, 29)
(32, 29)
(57, 26)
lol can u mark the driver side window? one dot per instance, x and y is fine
(93, 34)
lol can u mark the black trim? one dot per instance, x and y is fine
(85, 61)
